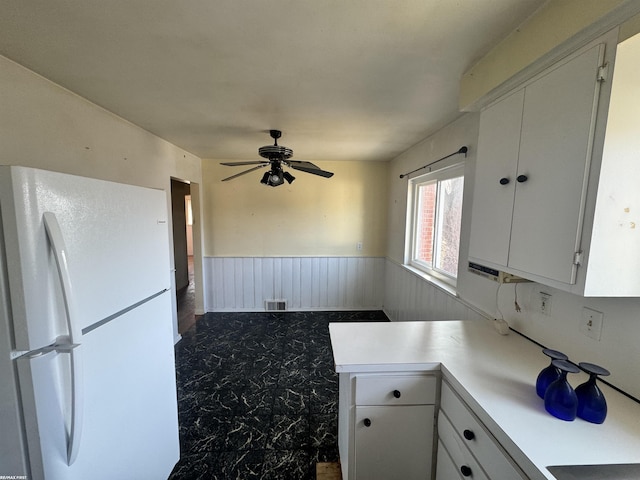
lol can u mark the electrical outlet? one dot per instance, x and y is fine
(545, 304)
(359, 246)
(591, 323)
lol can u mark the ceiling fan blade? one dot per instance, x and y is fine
(252, 162)
(314, 171)
(303, 164)
(246, 171)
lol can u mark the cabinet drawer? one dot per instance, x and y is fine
(446, 469)
(484, 447)
(396, 390)
(458, 451)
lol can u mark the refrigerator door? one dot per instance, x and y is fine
(130, 409)
(117, 241)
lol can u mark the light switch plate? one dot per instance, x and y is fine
(591, 323)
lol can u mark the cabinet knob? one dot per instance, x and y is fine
(504, 181)
(396, 393)
(469, 435)
(522, 178)
(367, 422)
(465, 471)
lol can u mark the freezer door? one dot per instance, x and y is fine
(117, 241)
(130, 426)
(12, 443)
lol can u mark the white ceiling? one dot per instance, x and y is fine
(343, 79)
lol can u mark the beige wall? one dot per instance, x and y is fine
(45, 126)
(556, 22)
(313, 216)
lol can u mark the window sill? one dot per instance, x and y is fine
(436, 282)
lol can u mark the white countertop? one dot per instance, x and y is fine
(496, 376)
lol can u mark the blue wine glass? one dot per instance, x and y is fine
(560, 400)
(549, 374)
(592, 405)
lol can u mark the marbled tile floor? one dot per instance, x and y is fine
(258, 395)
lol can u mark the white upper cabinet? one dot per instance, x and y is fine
(495, 182)
(541, 171)
(558, 121)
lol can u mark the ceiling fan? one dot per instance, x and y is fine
(277, 157)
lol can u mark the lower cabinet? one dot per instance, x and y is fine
(387, 426)
(467, 443)
(387, 430)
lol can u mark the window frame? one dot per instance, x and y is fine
(451, 171)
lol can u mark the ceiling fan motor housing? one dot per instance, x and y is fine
(278, 152)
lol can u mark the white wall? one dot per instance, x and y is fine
(43, 125)
(619, 347)
(409, 297)
(306, 283)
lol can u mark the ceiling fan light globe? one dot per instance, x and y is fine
(275, 179)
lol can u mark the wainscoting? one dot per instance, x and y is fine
(410, 297)
(306, 283)
(235, 284)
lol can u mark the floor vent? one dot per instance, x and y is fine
(275, 305)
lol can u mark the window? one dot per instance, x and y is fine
(434, 222)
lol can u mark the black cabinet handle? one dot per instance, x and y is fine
(522, 178)
(469, 435)
(504, 181)
(396, 393)
(367, 422)
(466, 471)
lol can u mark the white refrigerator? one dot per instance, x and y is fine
(87, 374)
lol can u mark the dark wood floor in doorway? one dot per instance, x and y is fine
(186, 300)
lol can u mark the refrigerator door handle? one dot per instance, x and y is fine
(70, 344)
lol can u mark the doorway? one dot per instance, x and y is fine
(183, 254)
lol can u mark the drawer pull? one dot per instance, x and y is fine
(367, 422)
(469, 435)
(466, 471)
(396, 393)
(522, 178)
(504, 181)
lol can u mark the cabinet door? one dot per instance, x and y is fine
(555, 150)
(495, 179)
(398, 443)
